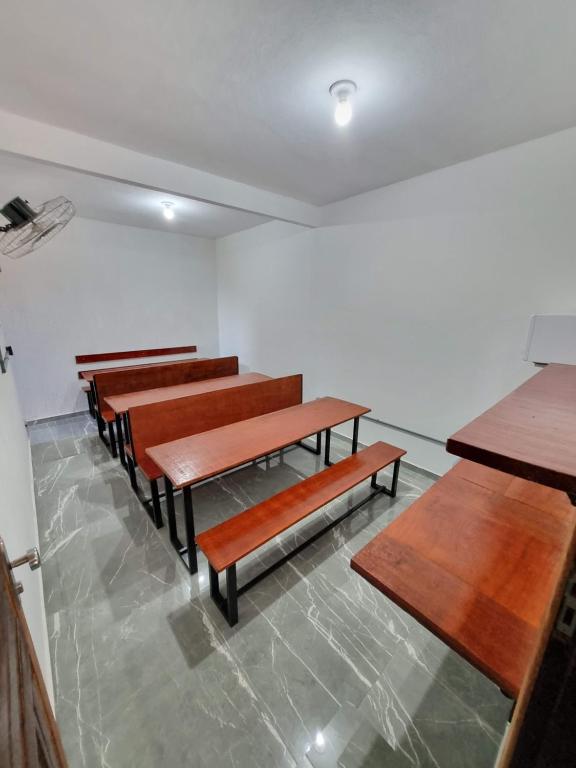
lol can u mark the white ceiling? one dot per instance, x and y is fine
(240, 87)
(112, 201)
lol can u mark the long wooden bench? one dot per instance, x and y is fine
(162, 422)
(231, 541)
(139, 379)
(479, 559)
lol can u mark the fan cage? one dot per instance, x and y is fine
(50, 218)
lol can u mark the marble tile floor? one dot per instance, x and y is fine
(320, 671)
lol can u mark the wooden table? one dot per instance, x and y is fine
(121, 404)
(193, 459)
(480, 560)
(531, 433)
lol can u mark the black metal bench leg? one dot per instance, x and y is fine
(394, 487)
(355, 435)
(231, 595)
(132, 474)
(171, 514)
(156, 510)
(90, 403)
(190, 533)
(327, 448)
(228, 605)
(112, 437)
(101, 427)
(120, 436)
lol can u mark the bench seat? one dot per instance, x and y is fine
(227, 543)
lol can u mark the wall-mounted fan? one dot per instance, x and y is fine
(29, 228)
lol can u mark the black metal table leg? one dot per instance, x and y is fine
(355, 435)
(190, 533)
(327, 448)
(120, 436)
(126, 427)
(395, 472)
(171, 514)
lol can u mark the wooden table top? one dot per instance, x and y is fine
(480, 559)
(89, 375)
(531, 433)
(204, 455)
(122, 403)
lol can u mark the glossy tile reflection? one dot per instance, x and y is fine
(321, 670)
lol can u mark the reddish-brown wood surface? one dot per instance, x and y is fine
(162, 422)
(89, 374)
(165, 375)
(479, 559)
(133, 354)
(531, 433)
(196, 458)
(235, 538)
(123, 403)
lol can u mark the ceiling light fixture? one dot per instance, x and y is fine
(342, 90)
(168, 212)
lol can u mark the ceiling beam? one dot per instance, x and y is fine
(57, 146)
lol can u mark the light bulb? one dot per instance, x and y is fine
(343, 90)
(168, 212)
(343, 112)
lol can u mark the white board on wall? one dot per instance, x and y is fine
(551, 339)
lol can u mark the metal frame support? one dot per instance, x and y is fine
(394, 487)
(156, 510)
(316, 451)
(190, 532)
(228, 605)
(186, 553)
(112, 439)
(90, 403)
(151, 505)
(120, 436)
(355, 435)
(101, 428)
(327, 448)
(132, 474)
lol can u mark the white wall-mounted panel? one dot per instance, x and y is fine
(551, 339)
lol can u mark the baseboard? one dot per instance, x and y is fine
(415, 467)
(55, 418)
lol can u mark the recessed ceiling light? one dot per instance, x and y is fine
(343, 90)
(168, 210)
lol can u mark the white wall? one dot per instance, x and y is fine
(18, 526)
(413, 299)
(100, 287)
